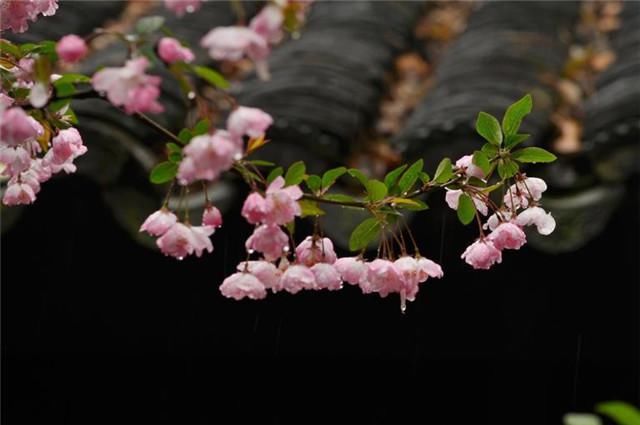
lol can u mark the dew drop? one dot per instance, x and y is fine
(191, 95)
(180, 258)
(285, 248)
(251, 251)
(237, 156)
(190, 9)
(393, 204)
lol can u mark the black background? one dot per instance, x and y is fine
(97, 329)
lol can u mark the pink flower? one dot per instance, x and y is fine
(453, 197)
(15, 160)
(200, 239)
(268, 23)
(327, 277)
(494, 220)
(411, 276)
(529, 188)
(543, 221)
(352, 269)
(176, 242)
(270, 240)
(428, 268)
(212, 217)
(384, 277)
(240, 285)
(16, 127)
(281, 202)
(180, 7)
(159, 222)
(482, 254)
(18, 194)
(469, 168)
(65, 147)
(170, 50)
(71, 48)
(267, 273)
(15, 14)
(508, 236)
(5, 102)
(129, 86)
(206, 156)
(232, 43)
(252, 122)
(311, 251)
(254, 208)
(296, 278)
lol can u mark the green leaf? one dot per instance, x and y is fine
(359, 175)
(57, 105)
(444, 172)
(424, 177)
(621, 412)
(175, 157)
(295, 173)
(65, 90)
(514, 115)
(410, 176)
(480, 160)
(201, 127)
(410, 204)
(149, 24)
(489, 150)
(314, 183)
(175, 152)
(392, 176)
(185, 135)
(466, 209)
(73, 79)
(474, 181)
(261, 163)
(10, 48)
(533, 154)
(275, 173)
(507, 168)
(488, 127)
(210, 76)
(339, 197)
(330, 176)
(163, 172)
(310, 208)
(363, 234)
(376, 190)
(515, 139)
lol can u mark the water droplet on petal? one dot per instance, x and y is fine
(403, 302)
(190, 9)
(237, 156)
(285, 248)
(251, 251)
(191, 95)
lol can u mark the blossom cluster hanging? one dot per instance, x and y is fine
(37, 139)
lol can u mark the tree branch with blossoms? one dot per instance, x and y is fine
(37, 139)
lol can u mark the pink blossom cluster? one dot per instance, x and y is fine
(177, 239)
(19, 150)
(265, 29)
(520, 209)
(129, 87)
(16, 14)
(208, 155)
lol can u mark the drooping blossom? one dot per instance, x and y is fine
(206, 156)
(71, 48)
(384, 277)
(469, 168)
(326, 276)
(482, 254)
(268, 23)
(411, 276)
(159, 222)
(296, 278)
(65, 148)
(16, 14)
(233, 43)
(495, 219)
(508, 236)
(182, 240)
(452, 197)
(18, 194)
(529, 188)
(17, 127)
(267, 273)
(180, 7)
(170, 50)
(312, 251)
(245, 121)
(429, 268)
(352, 269)
(211, 216)
(129, 86)
(240, 285)
(270, 240)
(544, 222)
(200, 240)
(254, 208)
(281, 205)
